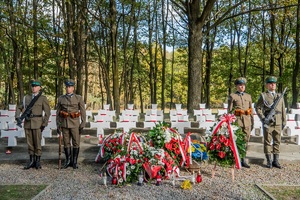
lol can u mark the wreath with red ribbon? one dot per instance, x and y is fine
(226, 146)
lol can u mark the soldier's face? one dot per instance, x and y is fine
(35, 89)
(271, 86)
(69, 89)
(241, 87)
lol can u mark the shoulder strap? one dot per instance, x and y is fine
(265, 102)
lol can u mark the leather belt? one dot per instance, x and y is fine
(32, 115)
(240, 112)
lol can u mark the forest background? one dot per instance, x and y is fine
(148, 51)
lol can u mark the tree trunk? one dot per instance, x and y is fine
(295, 78)
(196, 21)
(114, 57)
(35, 45)
(16, 54)
(272, 39)
(69, 26)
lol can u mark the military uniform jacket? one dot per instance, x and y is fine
(264, 104)
(70, 104)
(40, 105)
(242, 102)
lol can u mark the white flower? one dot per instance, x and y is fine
(126, 164)
(234, 127)
(132, 167)
(128, 172)
(121, 180)
(158, 137)
(161, 163)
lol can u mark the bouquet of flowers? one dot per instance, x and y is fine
(199, 151)
(129, 154)
(226, 145)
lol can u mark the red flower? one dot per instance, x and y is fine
(221, 154)
(218, 146)
(211, 146)
(157, 156)
(227, 142)
(168, 146)
(222, 138)
(132, 161)
(214, 139)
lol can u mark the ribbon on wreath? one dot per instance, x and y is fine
(151, 170)
(183, 146)
(134, 139)
(101, 150)
(228, 119)
(114, 165)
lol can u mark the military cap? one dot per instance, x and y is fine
(271, 79)
(240, 80)
(36, 83)
(69, 82)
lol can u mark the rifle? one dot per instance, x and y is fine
(270, 117)
(59, 148)
(26, 114)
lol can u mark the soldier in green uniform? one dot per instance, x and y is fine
(273, 130)
(240, 103)
(70, 120)
(35, 124)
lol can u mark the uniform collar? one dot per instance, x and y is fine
(240, 93)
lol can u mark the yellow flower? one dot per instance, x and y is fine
(203, 148)
(192, 148)
(186, 185)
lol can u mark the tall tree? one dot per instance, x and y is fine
(114, 54)
(295, 78)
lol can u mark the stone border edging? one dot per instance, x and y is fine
(260, 186)
(42, 192)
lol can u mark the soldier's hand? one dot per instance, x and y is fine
(42, 128)
(58, 131)
(80, 130)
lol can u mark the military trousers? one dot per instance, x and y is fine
(34, 137)
(272, 138)
(71, 134)
(247, 133)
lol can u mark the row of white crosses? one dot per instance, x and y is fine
(12, 132)
(8, 127)
(154, 115)
(179, 119)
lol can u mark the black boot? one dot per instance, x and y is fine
(75, 157)
(37, 162)
(269, 162)
(275, 162)
(244, 164)
(68, 157)
(31, 163)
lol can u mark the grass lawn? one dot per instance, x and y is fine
(11, 192)
(283, 192)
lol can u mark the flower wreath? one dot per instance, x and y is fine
(226, 145)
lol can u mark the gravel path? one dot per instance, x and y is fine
(84, 183)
